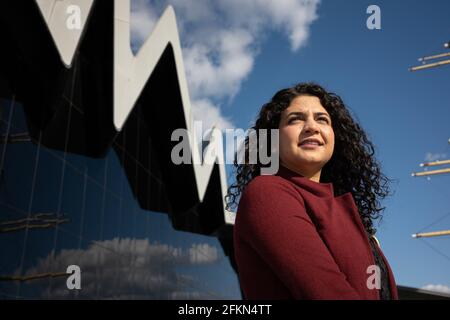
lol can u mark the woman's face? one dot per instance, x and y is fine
(306, 118)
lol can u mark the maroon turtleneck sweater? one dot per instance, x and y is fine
(294, 239)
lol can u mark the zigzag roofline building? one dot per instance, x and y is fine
(87, 105)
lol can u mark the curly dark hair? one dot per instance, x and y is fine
(352, 167)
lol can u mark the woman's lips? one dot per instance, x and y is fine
(309, 146)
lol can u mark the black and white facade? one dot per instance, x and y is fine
(86, 171)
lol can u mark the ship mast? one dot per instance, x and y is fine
(426, 65)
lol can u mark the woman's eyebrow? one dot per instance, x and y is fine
(302, 113)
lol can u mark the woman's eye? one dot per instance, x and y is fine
(323, 119)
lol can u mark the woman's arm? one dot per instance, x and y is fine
(272, 219)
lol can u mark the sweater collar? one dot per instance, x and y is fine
(317, 188)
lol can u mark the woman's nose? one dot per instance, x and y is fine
(311, 125)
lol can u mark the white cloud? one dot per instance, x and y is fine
(204, 108)
(437, 287)
(143, 21)
(216, 67)
(435, 156)
(128, 268)
(220, 41)
(202, 254)
(293, 17)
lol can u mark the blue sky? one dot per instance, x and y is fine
(406, 114)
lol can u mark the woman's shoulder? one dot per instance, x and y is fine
(267, 181)
(265, 198)
(266, 187)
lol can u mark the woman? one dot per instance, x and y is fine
(307, 231)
